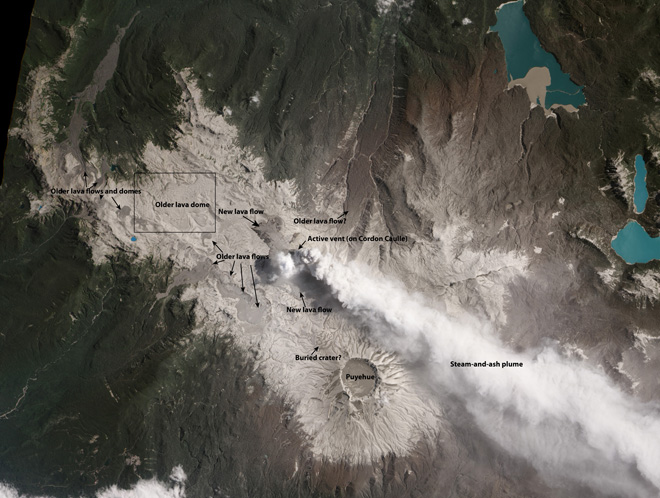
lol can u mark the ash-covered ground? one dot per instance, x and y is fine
(244, 349)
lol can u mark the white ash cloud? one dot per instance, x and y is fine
(565, 417)
(144, 488)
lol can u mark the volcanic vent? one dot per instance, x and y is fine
(359, 378)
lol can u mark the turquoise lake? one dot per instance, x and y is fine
(641, 193)
(634, 245)
(523, 51)
(632, 242)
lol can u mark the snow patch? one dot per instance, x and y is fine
(650, 76)
(648, 285)
(384, 6)
(608, 277)
(625, 177)
(643, 340)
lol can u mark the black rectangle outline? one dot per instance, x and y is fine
(215, 195)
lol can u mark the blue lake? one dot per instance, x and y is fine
(523, 51)
(641, 193)
(634, 245)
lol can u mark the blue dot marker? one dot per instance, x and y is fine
(134, 238)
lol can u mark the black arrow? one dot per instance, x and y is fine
(218, 261)
(303, 298)
(255, 287)
(94, 184)
(342, 215)
(254, 223)
(216, 245)
(101, 196)
(118, 206)
(242, 284)
(300, 246)
(231, 272)
(85, 177)
(315, 350)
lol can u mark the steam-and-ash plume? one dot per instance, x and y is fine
(565, 417)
